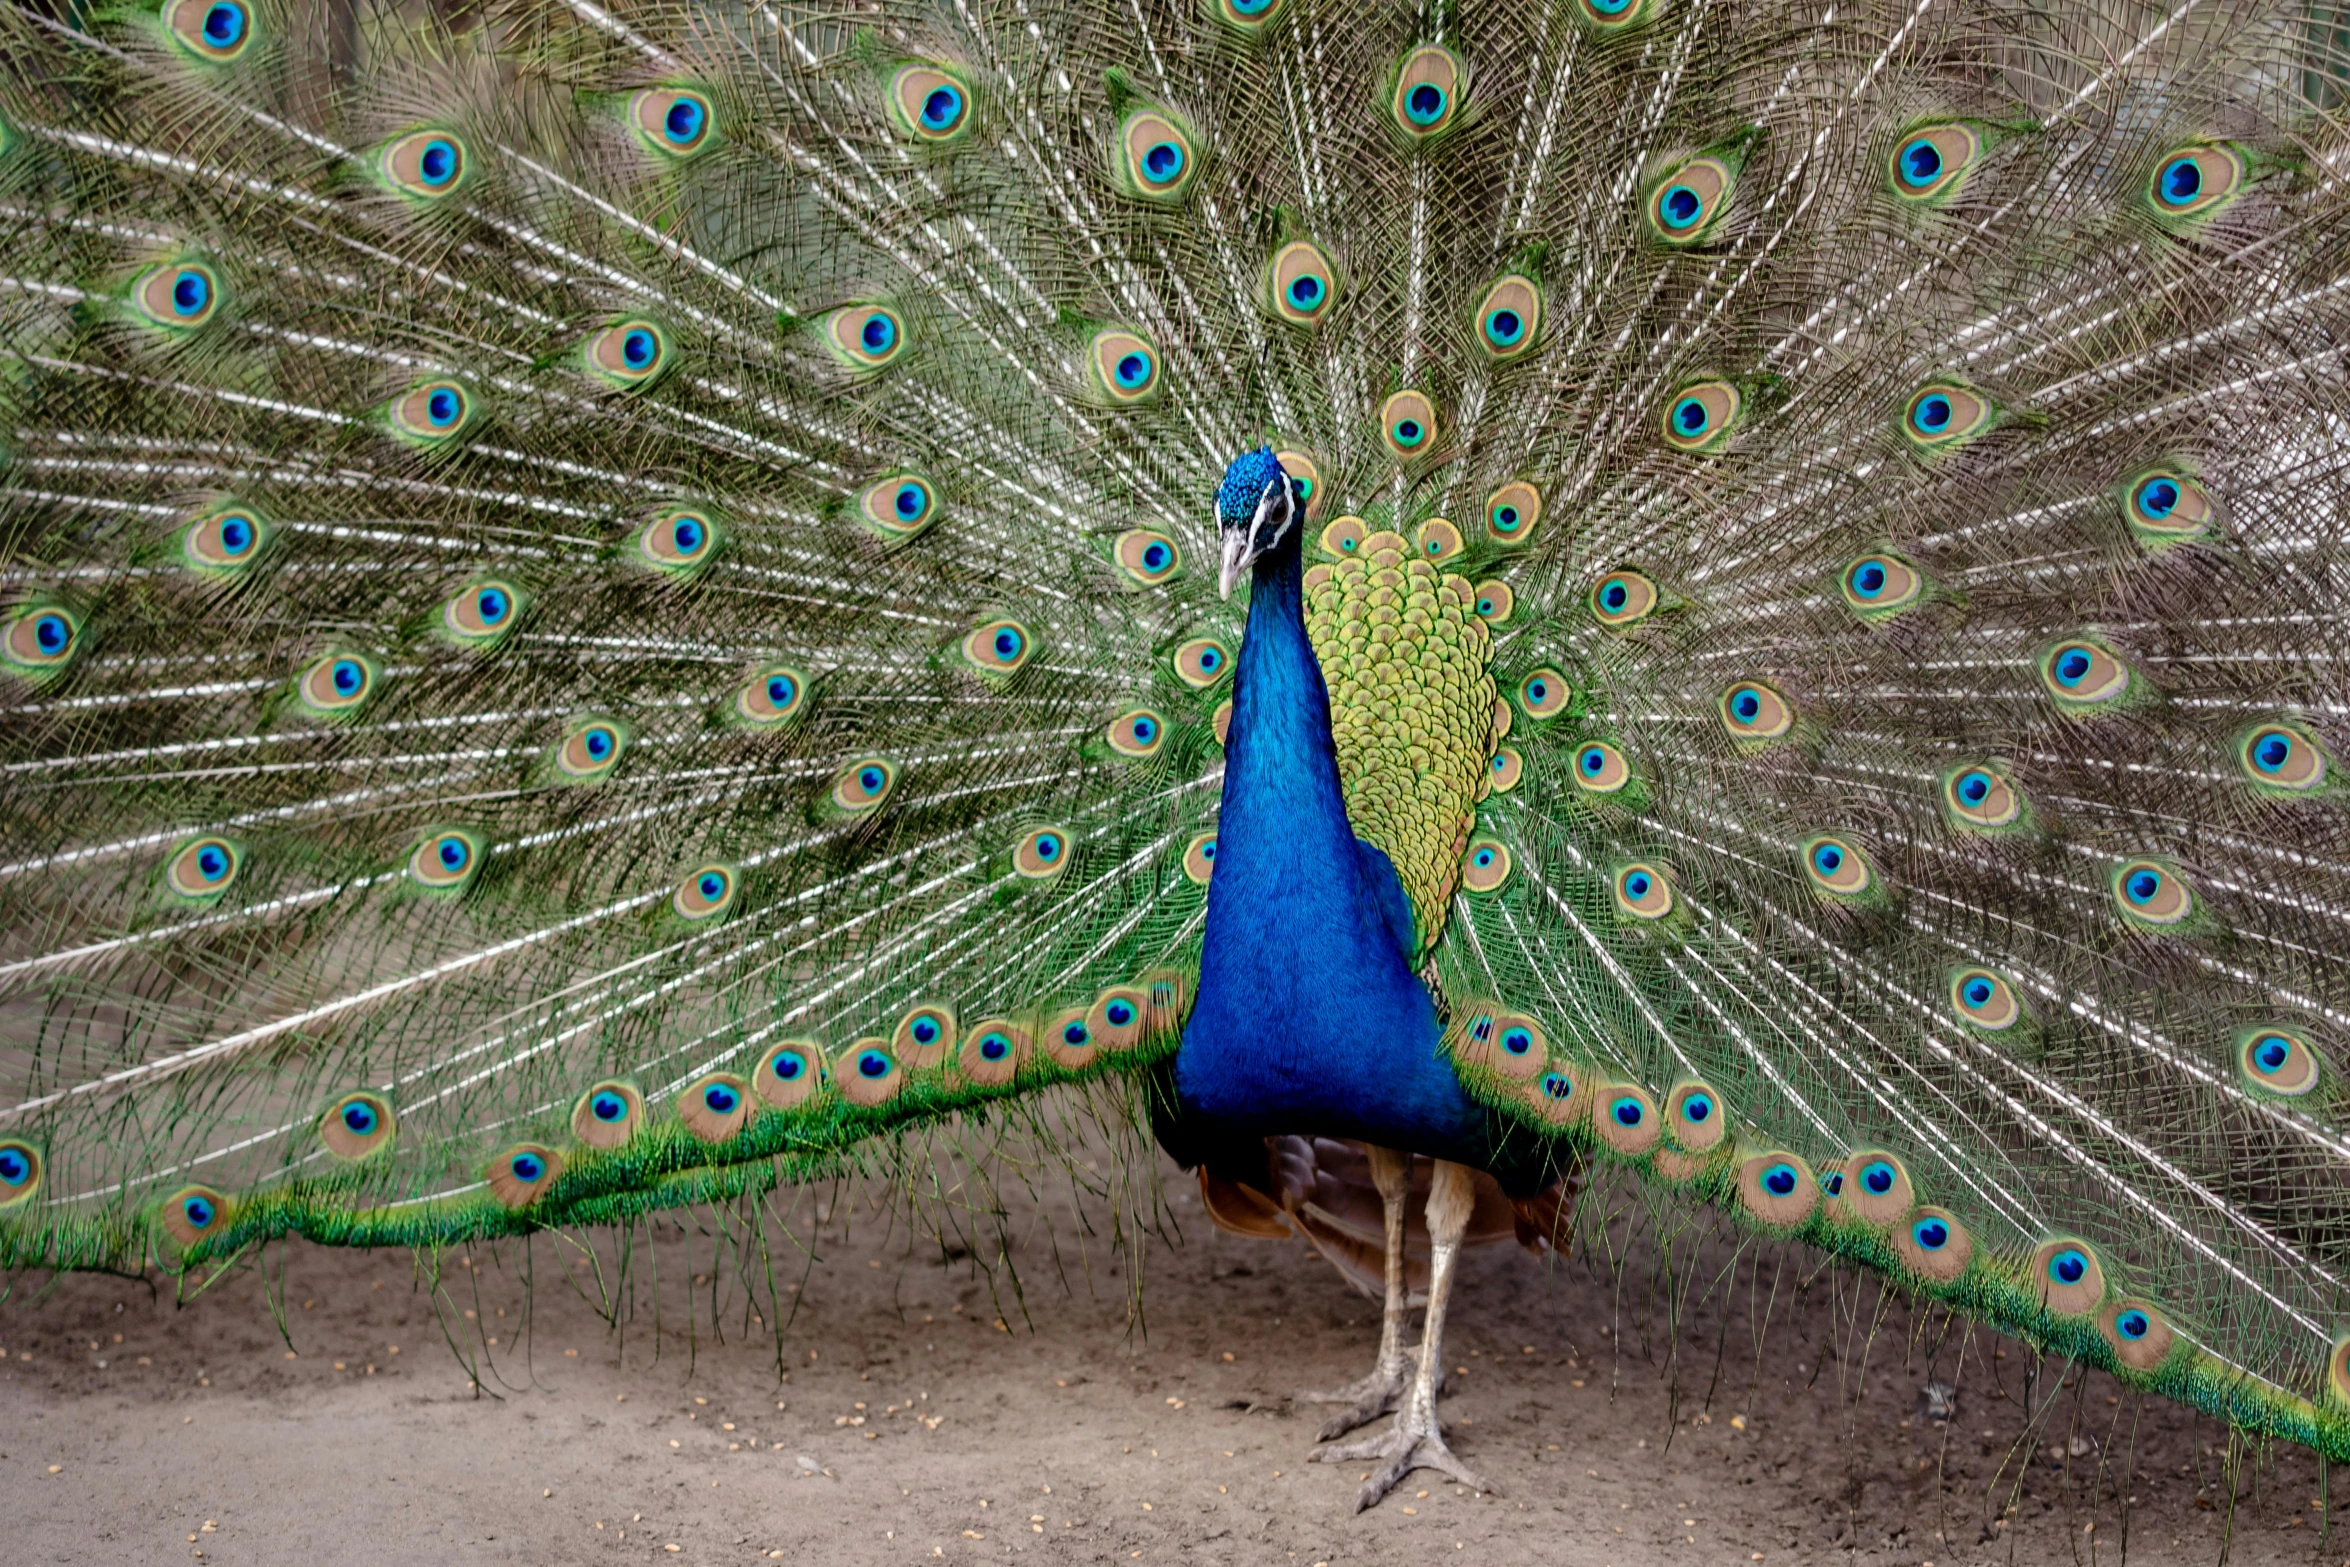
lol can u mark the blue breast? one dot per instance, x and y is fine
(1309, 1018)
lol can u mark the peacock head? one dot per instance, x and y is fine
(1257, 508)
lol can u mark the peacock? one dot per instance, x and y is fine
(606, 605)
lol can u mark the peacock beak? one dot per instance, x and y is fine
(1239, 554)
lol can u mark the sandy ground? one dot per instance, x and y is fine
(915, 1407)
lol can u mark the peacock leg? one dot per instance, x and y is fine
(1376, 1394)
(1417, 1441)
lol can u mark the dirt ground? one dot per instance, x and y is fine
(916, 1407)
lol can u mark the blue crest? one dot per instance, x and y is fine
(1245, 482)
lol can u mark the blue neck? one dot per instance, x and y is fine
(1309, 1018)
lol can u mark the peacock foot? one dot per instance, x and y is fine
(1364, 1401)
(1412, 1443)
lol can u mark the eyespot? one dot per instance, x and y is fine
(928, 104)
(1117, 1018)
(1042, 853)
(1201, 662)
(225, 541)
(2191, 181)
(899, 505)
(863, 785)
(629, 353)
(2277, 1061)
(608, 1114)
(1125, 366)
(1876, 1189)
(1305, 477)
(193, 1214)
(1935, 1246)
(673, 121)
(1626, 1119)
(1248, 15)
(679, 541)
(1067, 1040)
(2165, 507)
(521, 1176)
(864, 337)
(445, 859)
(788, 1074)
(1407, 423)
(1486, 866)
(337, 683)
(1878, 586)
(356, 1125)
(1622, 598)
(1512, 511)
(2151, 894)
(20, 1172)
(1544, 694)
(999, 647)
(867, 1074)
(1751, 710)
(1608, 15)
(180, 295)
(1778, 1189)
(772, 695)
(212, 30)
(1301, 284)
(1929, 162)
(2079, 675)
(1199, 858)
(43, 636)
(1509, 318)
(1157, 161)
(1600, 768)
(591, 748)
(2281, 757)
(1343, 536)
(1835, 866)
(1644, 892)
(1514, 1046)
(203, 867)
(706, 893)
(716, 1107)
(426, 164)
(1506, 768)
(2066, 1276)
(1493, 602)
(1693, 1115)
(481, 613)
(1943, 413)
(1137, 734)
(1978, 796)
(991, 1053)
(1701, 417)
(1984, 999)
(924, 1036)
(1428, 88)
(436, 412)
(1436, 541)
(2137, 1333)
(1688, 202)
(1148, 557)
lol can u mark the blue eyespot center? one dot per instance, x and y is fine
(236, 535)
(608, 1107)
(870, 780)
(1878, 1178)
(1868, 579)
(2271, 1053)
(348, 676)
(788, 1066)
(1537, 690)
(995, 1047)
(212, 862)
(1974, 788)
(199, 1213)
(2272, 752)
(1133, 370)
(1680, 207)
(1697, 1109)
(2182, 179)
(1628, 1112)
(1007, 644)
(1505, 518)
(2158, 498)
(528, 1168)
(1155, 557)
(1516, 1041)
(15, 1168)
(491, 605)
(1827, 859)
(1833, 1183)
(1746, 707)
(359, 1118)
(224, 24)
(1637, 884)
(2068, 1267)
(1594, 760)
(1614, 596)
(911, 501)
(872, 1063)
(1162, 162)
(1048, 847)
(51, 633)
(1074, 1033)
(780, 690)
(1930, 1234)
(1921, 163)
(190, 293)
(1207, 849)
(637, 348)
(437, 163)
(712, 886)
(720, 1098)
(2132, 1324)
(1505, 327)
(925, 1030)
(1210, 658)
(1145, 730)
(1933, 413)
(443, 407)
(1424, 104)
(878, 332)
(1408, 432)
(1780, 1180)
(1557, 1085)
(1689, 416)
(2142, 886)
(2072, 667)
(1977, 992)
(599, 742)
(942, 108)
(683, 122)
(1120, 1013)
(1305, 291)
(452, 853)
